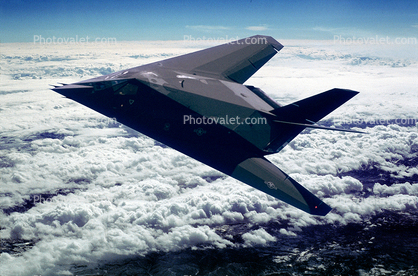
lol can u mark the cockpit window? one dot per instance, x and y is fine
(125, 89)
(98, 86)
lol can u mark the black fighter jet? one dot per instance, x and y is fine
(198, 104)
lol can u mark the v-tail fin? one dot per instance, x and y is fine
(314, 108)
(295, 117)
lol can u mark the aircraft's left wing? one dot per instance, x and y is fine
(236, 61)
(263, 175)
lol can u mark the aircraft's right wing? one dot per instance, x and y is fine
(236, 61)
(263, 175)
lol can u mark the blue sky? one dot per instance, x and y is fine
(21, 20)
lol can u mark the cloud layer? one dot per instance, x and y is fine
(79, 189)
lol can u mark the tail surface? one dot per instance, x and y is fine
(314, 108)
(295, 117)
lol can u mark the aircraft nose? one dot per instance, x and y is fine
(68, 87)
(72, 91)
